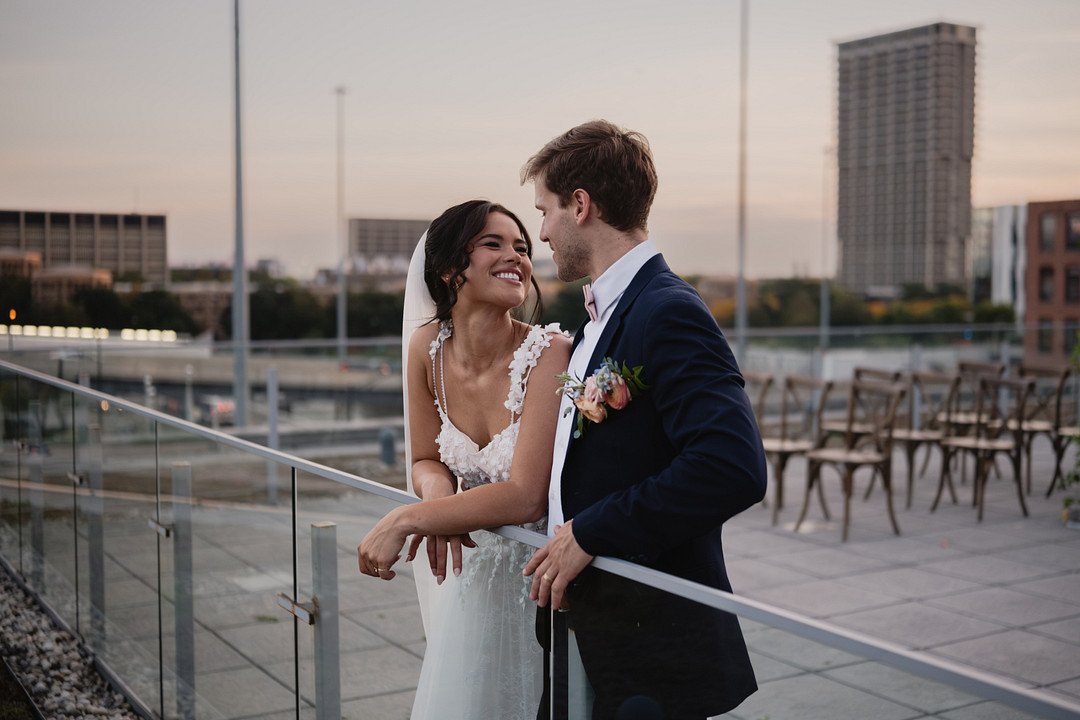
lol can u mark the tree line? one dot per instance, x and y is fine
(281, 309)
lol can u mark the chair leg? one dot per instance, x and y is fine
(778, 497)
(909, 450)
(847, 482)
(1019, 482)
(821, 498)
(945, 480)
(982, 474)
(1060, 443)
(925, 462)
(813, 477)
(1030, 440)
(886, 482)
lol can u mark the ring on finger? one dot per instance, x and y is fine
(545, 576)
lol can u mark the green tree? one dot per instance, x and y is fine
(847, 310)
(372, 314)
(160, 310)
(987, 312)
(281, 312)
(100, 307)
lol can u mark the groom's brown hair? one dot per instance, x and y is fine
(613, 165)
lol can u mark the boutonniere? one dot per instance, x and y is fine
(611, 386)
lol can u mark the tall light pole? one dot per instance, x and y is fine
(342, 235)
(240, 333)
(740, 291)
(823, 299)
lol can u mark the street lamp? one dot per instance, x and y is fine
(342, 239)
(740, 288)
(10, 340)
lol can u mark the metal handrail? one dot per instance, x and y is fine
(973, 682)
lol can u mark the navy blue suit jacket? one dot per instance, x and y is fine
(653, 484)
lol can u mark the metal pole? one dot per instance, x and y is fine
(35, 461)
(272, 438)
(342, 238)
(740, 294)
(184, 608)
(95, 508)
(240, 298)
(823, 300)
(324, 581)
(189, 392)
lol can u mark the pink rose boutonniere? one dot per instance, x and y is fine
(611, 387)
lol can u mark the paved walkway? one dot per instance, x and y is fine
(1002, 596)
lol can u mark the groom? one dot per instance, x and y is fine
(653, 481)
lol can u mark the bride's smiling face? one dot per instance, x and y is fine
(499, 268)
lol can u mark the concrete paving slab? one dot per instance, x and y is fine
(400, 624)
(749, 574)
(901, 687)
(823, 598)
(1064, 630)
(1007, 607)
(917, 625)
(987, 569)
(1065, 588)
(1025, 656)
(797, 651)
(987, 711)
(814, 697)
(907, 583)
(244, 692)
(1070, 689)
(826, 562)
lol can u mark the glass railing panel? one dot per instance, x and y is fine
(380, 635)
(228, 556)
(51, 545)
(13, 506)
(650, 651)
(118, 608)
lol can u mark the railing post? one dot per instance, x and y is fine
(184, 612)
(34, 461)
(96, 534)
(327, 654)
(273, 440)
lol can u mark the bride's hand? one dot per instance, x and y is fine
(437, 546)
(381, 548)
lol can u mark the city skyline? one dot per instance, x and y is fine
(125, 107)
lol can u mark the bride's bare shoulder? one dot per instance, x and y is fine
(422, 337)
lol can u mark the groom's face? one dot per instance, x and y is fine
(559, 230)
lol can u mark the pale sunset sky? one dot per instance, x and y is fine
(126, 105)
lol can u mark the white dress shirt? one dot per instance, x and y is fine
(607, 290)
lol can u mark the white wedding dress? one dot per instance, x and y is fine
(482, 659)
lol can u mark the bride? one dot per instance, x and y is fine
(481, 410)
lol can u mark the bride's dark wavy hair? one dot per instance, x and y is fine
(446, 253)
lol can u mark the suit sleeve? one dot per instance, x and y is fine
(718, 469)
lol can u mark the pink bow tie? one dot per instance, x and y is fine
(590, 302)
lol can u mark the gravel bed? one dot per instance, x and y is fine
(49, 662)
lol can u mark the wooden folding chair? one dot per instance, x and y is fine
(795, 432)
(871, 405)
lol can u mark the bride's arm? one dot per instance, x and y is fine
(521, 499)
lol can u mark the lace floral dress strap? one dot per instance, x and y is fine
(438, 378)
(525, 359)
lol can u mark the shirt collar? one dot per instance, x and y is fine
(609, 287)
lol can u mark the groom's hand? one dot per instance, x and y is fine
(555, 566)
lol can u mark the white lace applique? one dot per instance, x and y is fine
(472, 465)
